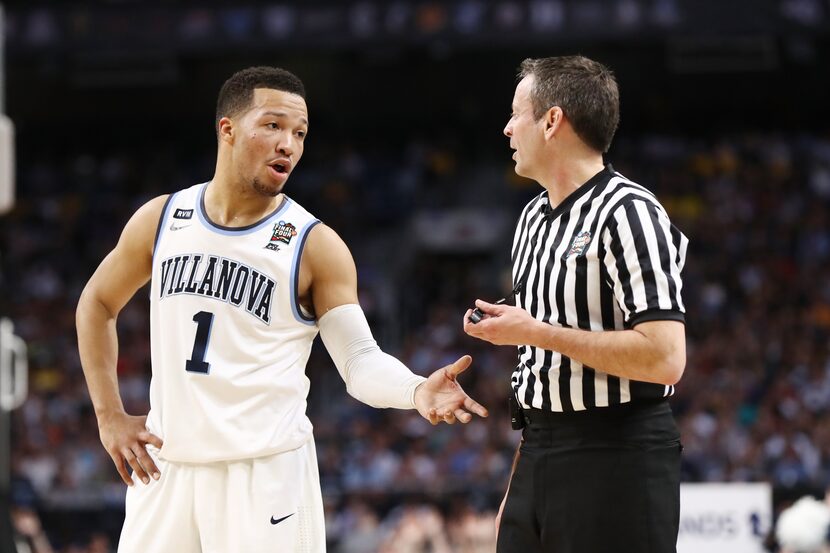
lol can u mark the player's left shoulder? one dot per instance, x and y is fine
(323, 242)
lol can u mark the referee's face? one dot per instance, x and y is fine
(526, 134)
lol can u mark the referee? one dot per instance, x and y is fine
(599, 323)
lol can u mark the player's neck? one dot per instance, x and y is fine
(568, 171)
(236, 204)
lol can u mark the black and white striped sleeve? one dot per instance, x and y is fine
(644, 255)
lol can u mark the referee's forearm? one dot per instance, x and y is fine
(654, 351)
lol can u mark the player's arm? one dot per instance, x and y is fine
(122, 272)
(372, 376)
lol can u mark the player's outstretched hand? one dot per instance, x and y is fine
(442, 398)
(125, 438)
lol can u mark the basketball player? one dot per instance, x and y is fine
(242, 280)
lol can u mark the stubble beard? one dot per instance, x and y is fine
(269, 191)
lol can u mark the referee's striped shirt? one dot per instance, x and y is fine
(606, 258)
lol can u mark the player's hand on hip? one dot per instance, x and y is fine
(502, 325)
(441, 398)
(125, 438)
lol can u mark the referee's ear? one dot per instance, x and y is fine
(553, 120)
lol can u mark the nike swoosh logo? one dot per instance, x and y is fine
(174, 227)
(278, 520)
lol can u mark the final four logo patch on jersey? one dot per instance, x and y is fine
(580, 244)
(283, 232)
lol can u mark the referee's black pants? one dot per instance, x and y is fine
(597, 481)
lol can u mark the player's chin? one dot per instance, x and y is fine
(269, 187)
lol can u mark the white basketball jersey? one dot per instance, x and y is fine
(229, 340)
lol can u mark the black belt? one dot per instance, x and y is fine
(538, 418)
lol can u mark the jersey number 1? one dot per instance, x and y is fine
(197, 363)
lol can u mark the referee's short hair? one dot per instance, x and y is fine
(586, 91)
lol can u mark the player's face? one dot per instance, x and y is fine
(526, 134)
(271, 140)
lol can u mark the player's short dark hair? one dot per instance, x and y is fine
(586, 91)
(236, 94)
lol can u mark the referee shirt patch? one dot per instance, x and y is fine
(580, 244)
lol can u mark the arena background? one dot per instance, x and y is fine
(724, 116)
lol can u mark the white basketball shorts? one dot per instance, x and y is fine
(267, 504)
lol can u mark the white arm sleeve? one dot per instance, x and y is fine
(371, 376)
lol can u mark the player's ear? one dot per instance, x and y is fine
(225, 130)
(553, 120)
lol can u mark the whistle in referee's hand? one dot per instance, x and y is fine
(476, 316)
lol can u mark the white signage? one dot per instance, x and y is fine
(6, 161)
(724, 518)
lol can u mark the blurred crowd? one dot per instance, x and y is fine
(752, 404)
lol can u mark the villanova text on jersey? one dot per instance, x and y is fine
(218, 278)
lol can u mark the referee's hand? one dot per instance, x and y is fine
(502, 325)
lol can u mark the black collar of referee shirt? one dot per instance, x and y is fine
(602, 177)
